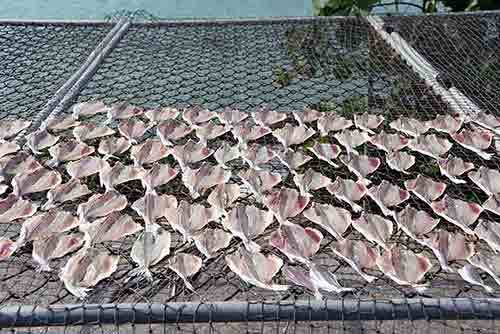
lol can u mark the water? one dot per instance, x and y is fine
(97, 9)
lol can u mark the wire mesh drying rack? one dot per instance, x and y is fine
(397, 66)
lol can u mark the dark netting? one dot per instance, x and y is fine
(465, 49)
(35, 60)
(336, 65)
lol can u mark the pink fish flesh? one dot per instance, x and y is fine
(458, 212)
(46, 224)
(87, 109)
(205, 177)
(452, 167)
(293, 135)
(132, 129)
(400, 161)
(331, 123)
(85, 167)
(111, 146)
(476, 141)
(326, 152)
(285, 203)
(361, 166)
(40, 140)
(334, 220)
(197, 115)
(387, 195)
(357, 254)
(54, 247)
(149, 151)
(90, 131)
(368, 122)
(296, 242)
(68, 151)
(172, 130)
(68, 191)
(374, 228)
(348, 191)
(100, 205)
(9, 129)
(425, 188)
(36, 181)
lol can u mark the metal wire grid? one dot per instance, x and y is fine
(464, 48)
(35, 60)
(147, 70)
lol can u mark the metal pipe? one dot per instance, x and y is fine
(58, 23)
(327, 310)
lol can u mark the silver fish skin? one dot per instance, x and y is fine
(68, 151)
(259, 182)
(196, 115)
(492, 204)
(410, 126)
(488, 180)
(87, 109)
(9, 129)
(122, 111)
(400, 161)
(490, 232)
(149, 151)
(489, 262)
(156, 116)
(448, 246)
(350, 139)
(100, 205)
(266, 117)
(487, 121)
(45, 225)
(326, 152)
(348, 191)
(223, 196)
(85, 269)
(361, 166)
(476, 141)
(185, 266)
(451, 167)
(158, 175)
(308, 115)
(332, 123)
(190, 153)
(285, 203)
(226, 153)
(232, 116)
(358, 254)
(90, 131)
(108, 147)
(3, 188)
(211, 240)
(425, 188)
(110, 228)
(386, 196)
(7, 248)
(301, 277)
(18, 163)
(150, 248)
(205, 177)
(109, 177)
(85, 167)
(374, 228)
(293, 135)
(62, 123)
(310, 180)
(132, 129)
(457, 212)
(40, 140)
(13, 207)
(368, 122)
(334, 220)
(172, 130)
(54, 247)
(158, 205)
(36, 181)
(293, 159)
(7, 148)
(325, 280)
(246, 223)
(65, 192)
(470, 274)
(296, 243)
(256, 268)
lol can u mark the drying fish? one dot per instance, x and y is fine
(334, 220)
(387, 195)
(357, 254)
(331, 123)
(307, 116)
(323, 279)
(149, 151)
(389, 142)
(91, 131)
(158, 175)
(415, 223)
(187, 218)
(68, 151)
(210, 130)
(185, 266)
(400, 161)
(110, 228)
(226, 153)
(7, 248)
(44, 225)
(361, 166)
(8, 148)
(68, 191)
(3, 188)
(171, 130)
(87, 268)
(231, 116)
(256, 269)
(259, 182)
(457, 212)
(247, 131)
(488, 180)
(293, 159)
(448, 247)
(446, 123)
(111, 146)
(470, 274)
(285, 203)
(246, 223)
(54, 247)
(109, 177)
(205, 177)
(255, 155)
(60, 123)
(476, 141)
(296, 242)
(36, 181)
(158, 205)
(326, 152)
(310, 180)
(13, 207)
(425, 188)
(351, 139)
(100, 205)
(156, 116)
(40, 140)
(452, 167)
(265, 117)
(223, 196)
(490, 232)
(150, 247)
(487, 121)
(132, 129)
(85, 167)
(492, 204)
(123, 111)
(197, 115)
(404, 267)
(430, 145)
(190, 153)
(348, 191)
(374, 228)
(368, 122)
(293, 135)
(410, 126)
(489, 262)
(9, 129)
(210, 240)
(87, 109)
(301, 277)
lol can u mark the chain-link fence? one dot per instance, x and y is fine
(336, 65)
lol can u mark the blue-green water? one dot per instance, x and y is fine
(98, 9)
